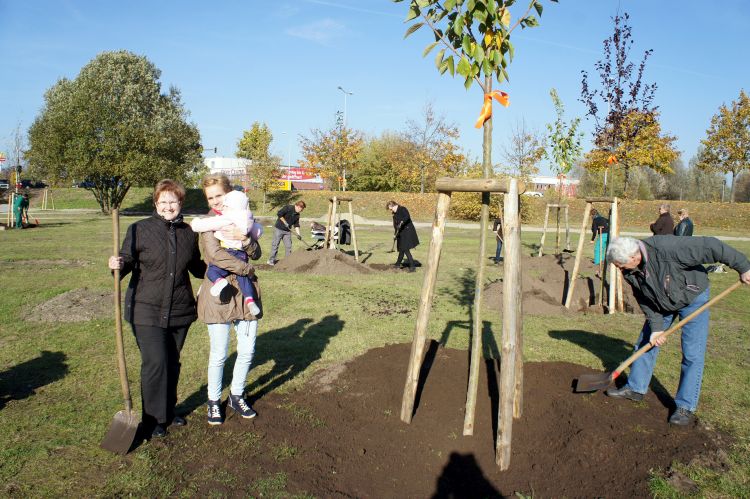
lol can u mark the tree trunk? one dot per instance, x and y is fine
(731, 189)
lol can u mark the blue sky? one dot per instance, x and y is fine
(281, 62)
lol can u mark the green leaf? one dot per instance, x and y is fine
(451, 69)
(511, 50)
(467, 83)
(413, 28)
(458, 25)
(429, 48)
(478, 54)
(413, 12)
(423, 3)
(443, 67)
(529, 22)
(538, 8)
(486, 67)
(439, 58)
(505, 74)
(491, 6)
(449, 4)
(466, 44)
(470, 5)
(463, 66)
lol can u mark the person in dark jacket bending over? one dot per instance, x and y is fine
(664, 224)
(404, 233)
(668, 279)
(282, 231)
(159, 304)
(685, 226)
(600, 230)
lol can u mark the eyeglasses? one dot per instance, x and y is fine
(168, 203)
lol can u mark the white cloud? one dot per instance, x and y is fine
(322, 31)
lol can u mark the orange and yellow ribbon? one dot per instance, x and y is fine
(486, 113)
(612, 159)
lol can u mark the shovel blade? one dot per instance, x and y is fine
(593, 382)
(121, 433)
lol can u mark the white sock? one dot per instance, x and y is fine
(219, 284)
(252, 306)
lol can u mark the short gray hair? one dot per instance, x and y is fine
(621, 249)
(665, 207)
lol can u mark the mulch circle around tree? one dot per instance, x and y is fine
(340, 435)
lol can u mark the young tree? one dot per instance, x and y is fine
(625, 95)
(112, 126)
(727, 142)
(264, 170)
(639, 143)
(524, 151)
(332, 153)
(564, 141)
(435, 140)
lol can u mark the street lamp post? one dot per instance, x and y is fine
(346, 94)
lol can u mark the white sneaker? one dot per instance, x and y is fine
(271, 263)
(218, 286)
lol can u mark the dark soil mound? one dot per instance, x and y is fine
(341, 436)
(322, 262)
(545, 281)
(74, 306)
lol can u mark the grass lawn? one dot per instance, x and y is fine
(59, 387)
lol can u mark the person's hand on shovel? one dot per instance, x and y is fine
(657, 339)
(115, 263)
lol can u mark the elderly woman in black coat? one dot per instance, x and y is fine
(159, 251)
(405, 234)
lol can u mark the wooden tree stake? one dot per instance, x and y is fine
(354, 233)
(425, 303)
(579, 251)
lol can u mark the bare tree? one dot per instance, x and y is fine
(524, 151)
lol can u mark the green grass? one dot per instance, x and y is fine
(60, 390)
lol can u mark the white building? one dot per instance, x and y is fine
(542, 183)
(231, 167)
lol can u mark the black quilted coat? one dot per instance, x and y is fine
(160, 254)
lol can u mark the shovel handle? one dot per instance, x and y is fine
(674, 328)
(121, 366)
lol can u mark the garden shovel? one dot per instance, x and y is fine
(393, 246)
(121, 433)
(594, 382)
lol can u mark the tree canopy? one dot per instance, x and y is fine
(113, 126)
(332, 153)
(727, 142)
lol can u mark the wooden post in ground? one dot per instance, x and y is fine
(332, 228)
(611, 269)
(476, 343)
(425, 304)
(579, 251)
(328, 225)
(354, 233)
(510, 367)
(567, 230)
(544, 232)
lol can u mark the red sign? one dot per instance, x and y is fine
(298, 174)
(2, 157)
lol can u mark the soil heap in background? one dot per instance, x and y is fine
(77, 305)
(544, 286)
(322, 262)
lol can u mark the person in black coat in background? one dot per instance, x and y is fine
(405, 233)
(664, 225)
(159, 305)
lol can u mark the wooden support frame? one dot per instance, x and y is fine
(11, 220)
(564, 208)
(46, 198)
(613, 272)
(511, 377)
(334, 218)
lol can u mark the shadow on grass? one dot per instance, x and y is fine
(611, 351)
(291, 349)
(22, 380)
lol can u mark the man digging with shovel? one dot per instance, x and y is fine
(668, 279)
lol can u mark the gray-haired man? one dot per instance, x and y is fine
(668, 279)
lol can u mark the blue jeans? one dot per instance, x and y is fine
(694, 337)
(244, 282)
(219, 338)
(499, 250)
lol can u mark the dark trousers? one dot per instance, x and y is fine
(409, 258)
(160, 370)
(243, 281)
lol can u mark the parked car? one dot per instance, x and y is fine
(533, 194)
(4, 183)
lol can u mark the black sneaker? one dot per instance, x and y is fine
(624, 393)
(681, 417)
(159, 431)
(237, 404)
(179, 421)
(215, 416)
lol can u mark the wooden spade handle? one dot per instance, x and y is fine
(121, 366)
(674, 328)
